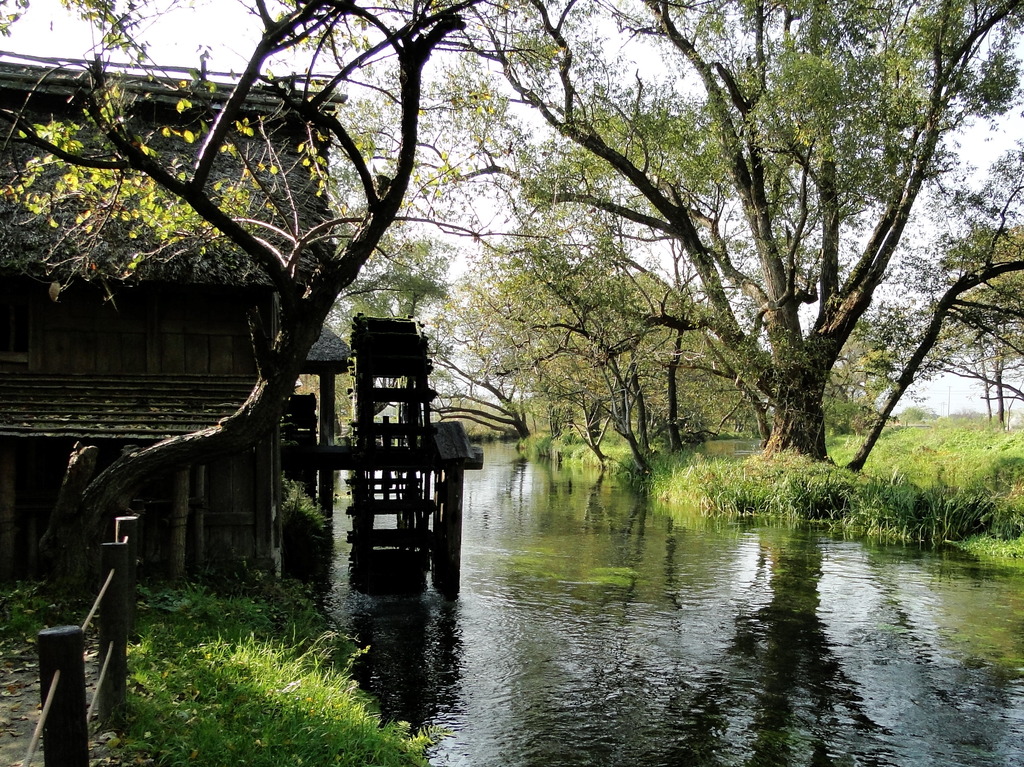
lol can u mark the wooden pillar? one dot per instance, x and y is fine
(8, 518)
(199, 517)
(179, 523)
(267, 502)
(32, 547)
(448, 531)
(328, 418)
(328, 409)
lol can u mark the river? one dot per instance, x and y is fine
(593, 629)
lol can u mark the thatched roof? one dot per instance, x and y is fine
(65, 79)
(56, 246)
(328, 355)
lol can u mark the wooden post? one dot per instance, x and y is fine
(328, 409)
(448, 552)
(179, 523)
(328, 417)
(114, 619)
(8, 518)
(32, 545)
(127, 531)
(199, 518)
(65, 732)
(266, 498)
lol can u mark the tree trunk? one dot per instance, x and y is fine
(63, 546)
(798, 422)
(675, 439)
(988, 393)
(642, 431)
(1000, 393)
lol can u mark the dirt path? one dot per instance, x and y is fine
(19, 706)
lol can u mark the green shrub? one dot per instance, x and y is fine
(307, 539)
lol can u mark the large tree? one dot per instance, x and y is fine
(782, 148)
(308, 250)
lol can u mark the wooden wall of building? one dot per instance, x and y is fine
(144, 330)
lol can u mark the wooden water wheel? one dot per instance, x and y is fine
(406, 478)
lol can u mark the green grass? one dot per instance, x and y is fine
(786, 487)
(570, 450)
(27, 607)
(247, 675)
(235, 680)
(944, 455)
(920, 486)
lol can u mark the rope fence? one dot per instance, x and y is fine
(64, 720)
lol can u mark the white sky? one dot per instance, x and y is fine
(226, 30)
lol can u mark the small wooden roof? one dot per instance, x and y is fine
(453, 444)
(328, 355)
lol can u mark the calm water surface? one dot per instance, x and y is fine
(594, 630)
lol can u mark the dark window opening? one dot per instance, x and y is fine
(14, 328)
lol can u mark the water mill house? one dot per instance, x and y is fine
(100, 346)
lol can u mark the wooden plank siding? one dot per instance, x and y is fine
(141, 330)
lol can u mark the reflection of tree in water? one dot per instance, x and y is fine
(804, 695)
(415, 652)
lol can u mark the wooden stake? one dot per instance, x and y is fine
(126, 530)
(65, 732)
(114, 618)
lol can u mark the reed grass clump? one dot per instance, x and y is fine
(308, 542)
(892, 507)
(788, 487)
(895, 509)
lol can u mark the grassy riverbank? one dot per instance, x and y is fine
(948, 483)
(246, 675)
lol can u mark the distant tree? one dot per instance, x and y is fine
(983, 246)
(485, 360)
(781, 149)
(917, 414)
(985, 343)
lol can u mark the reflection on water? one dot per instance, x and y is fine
(593, 631)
